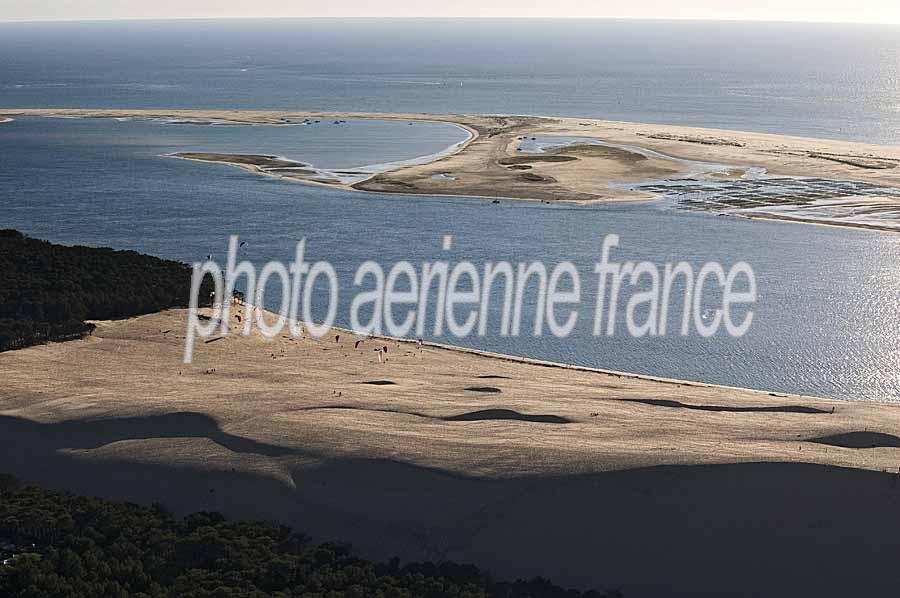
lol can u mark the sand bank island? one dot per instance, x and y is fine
(585, 160)
(653, 486)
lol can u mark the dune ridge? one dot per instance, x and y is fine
(592, 478)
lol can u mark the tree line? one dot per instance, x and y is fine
(87, 547)
(49, 291)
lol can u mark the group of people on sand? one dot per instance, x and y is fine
(382, 351)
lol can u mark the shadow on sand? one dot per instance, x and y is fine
(860, 440)
(472, 416)
(506, 414)
(725, 408)
(94, 433)
(751, 529)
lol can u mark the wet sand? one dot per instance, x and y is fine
(256, 163)
(654, 486)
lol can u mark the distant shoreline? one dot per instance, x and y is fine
(819, 222)
(490, 164)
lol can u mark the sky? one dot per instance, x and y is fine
(867, 11)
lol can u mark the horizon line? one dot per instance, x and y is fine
(447, 18)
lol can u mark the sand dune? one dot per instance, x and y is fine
(652, 486)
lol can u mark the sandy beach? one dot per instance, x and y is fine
(491, 165)
(525, 468)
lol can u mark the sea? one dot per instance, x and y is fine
(827, 318)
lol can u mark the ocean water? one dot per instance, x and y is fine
(825, 324)
(833, 81)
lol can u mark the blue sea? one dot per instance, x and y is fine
(827, 318)
(819, 80)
